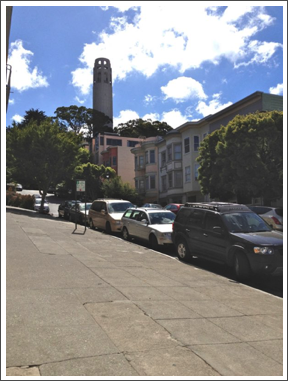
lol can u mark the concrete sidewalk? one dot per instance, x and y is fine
(94, 305)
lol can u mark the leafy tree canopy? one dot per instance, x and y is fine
(30, 115)
(245, 158)
(41, 154)
(94, 176)
(140, 127)
(82, 119)
(115, 188)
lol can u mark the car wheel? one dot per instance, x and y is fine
(108, 228)
(241, 266)
(125, 234)
(183, 252)
(153, 242)
(91, 225)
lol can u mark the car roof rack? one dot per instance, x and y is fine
(217, 206)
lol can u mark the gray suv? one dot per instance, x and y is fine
(231, 234)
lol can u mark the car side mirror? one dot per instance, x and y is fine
(218, 230)
(144, 221)
(103, 211)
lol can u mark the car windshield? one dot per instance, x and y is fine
(245, 223)
(82, 206)
(119, 207)
(161, 218)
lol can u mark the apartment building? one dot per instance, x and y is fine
(176, 179)
(146, 168)
(113, 150)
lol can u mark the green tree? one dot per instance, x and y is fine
(42, 154)
(82, 119)
(94, 176)
(140, 127)
(115, 188)
(245, 158)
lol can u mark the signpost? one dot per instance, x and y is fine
(81, 188)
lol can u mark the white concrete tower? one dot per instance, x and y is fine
(102, 88)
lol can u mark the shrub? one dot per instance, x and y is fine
(19, 200)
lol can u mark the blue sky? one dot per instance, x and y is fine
(171, 61)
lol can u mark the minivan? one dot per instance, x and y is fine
(106, 214)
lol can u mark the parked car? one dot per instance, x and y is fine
(106, 214)
(64, 208)
(147, 205)
(231, 234)
(79, 212)
(19, 187)
(37, 205)
(173, 207)
(151, 225)
(273, 216)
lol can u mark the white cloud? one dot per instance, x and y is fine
(212, 107)
(23, 76)
(125, 116)
(174, 118)
(182, 89)
(261, 52)
(17, 118)
(176, 35)
(148, 99)
(11, 101)
(80, 100)
(278, 90)
(153, 116)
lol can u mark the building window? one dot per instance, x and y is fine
(114, 161)
(131, 143)
(136, 184)
(152, 182)
(169, 153)
(152, 156)
(178, 179)
(204, 135)
(141, 161)
(196, 143)
(177, 152)
(163, 158)
(186, 145)
(136, 161)
(101, 140)
(187, 174)
(164, 183)
(113, 142)
(196, 167)
(170, 180)
(146, 157)
(141, 185)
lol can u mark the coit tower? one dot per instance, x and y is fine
(102, 88)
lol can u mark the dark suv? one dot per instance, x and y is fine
(228, 233)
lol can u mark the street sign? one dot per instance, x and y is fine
(80, 185)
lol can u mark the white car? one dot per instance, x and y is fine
(273, 216)
(37, 206)
(19, 187)
(152, 225)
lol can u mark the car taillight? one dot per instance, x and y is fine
(277, 222)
